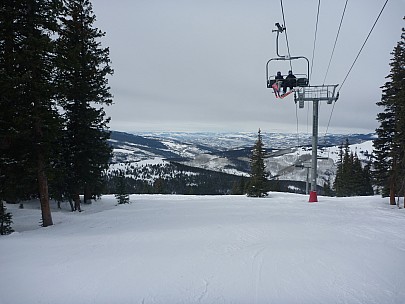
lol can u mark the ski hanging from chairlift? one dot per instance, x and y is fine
(281, 83)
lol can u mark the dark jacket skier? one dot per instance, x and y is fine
(290, 81)
(279, 80)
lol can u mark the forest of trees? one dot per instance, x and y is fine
(352, 179)
(173, 178)
(53, 81)
(389, 147)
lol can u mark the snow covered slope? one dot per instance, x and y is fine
(230, 152)
(284, 166)
(208, 249)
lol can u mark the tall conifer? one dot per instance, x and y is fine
(258, 184)
(389, 147)
(30, 116)
(5, 220)
(351, 178)
(337, 185)
(83, 90)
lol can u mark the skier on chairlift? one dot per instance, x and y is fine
(279, 81)
(290, 81)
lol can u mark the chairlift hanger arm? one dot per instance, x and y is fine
(279, 30)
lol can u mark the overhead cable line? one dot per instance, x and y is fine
(285, 30)
(347, 75)
(316, 31)
(327, 70)
(372, 28)
(313, 53)
(330, 118)
(334, 46)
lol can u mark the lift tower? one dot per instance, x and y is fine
(315, 94)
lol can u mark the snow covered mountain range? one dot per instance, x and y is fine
(230, 152)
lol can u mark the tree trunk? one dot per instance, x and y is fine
(76, 199)
(87, 194)
(392, 195)
(71, 204)
(41, 174)
(392, 183)
(43, 193)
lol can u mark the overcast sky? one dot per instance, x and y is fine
(199, 65)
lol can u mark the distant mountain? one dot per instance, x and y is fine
(230, 152)
(226, 141)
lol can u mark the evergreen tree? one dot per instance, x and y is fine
(82, 91)
(354, 175)
(389, 147)
(238, 186)
(121, 189)
(347, 170)
(258, 183)
(159, 186)
(327, 190)
(358, 179)
(29, 116)
(11, 155)
(351, 178)
(368, 181)
(400, 123)
(5, 220)
(338, 186)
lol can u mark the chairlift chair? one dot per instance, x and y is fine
(302, 79)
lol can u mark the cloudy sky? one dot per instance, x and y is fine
(188, 65)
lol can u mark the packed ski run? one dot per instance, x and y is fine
(207, 249)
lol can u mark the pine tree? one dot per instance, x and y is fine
(83, 89)
(358, 178)
(327, 190)
(343, 178)
(389, 147)
(30, 118)
(337, 185)
(347, 170)
(5, 220)
(351, 178)
(400, 126)
(238, 186)
(368, 181)
(258, 183)
(121, 189)
(11, 158)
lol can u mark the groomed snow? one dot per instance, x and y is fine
(208, 249)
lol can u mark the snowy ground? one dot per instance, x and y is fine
(208, 249)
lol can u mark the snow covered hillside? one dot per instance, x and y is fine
(208, 249)
(230, 152)
(288, 166)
